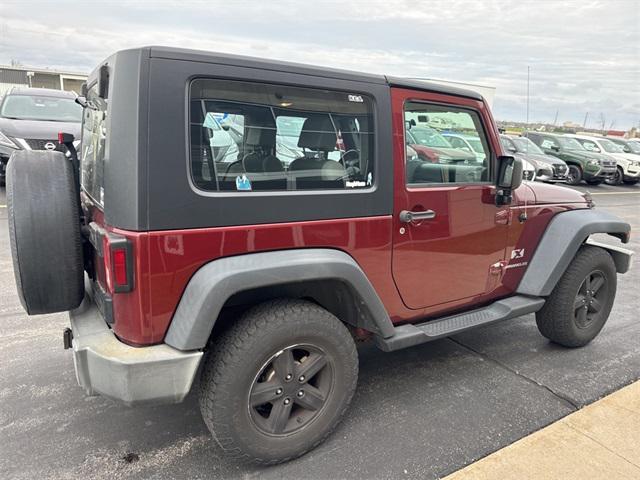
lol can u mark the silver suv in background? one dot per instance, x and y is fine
(547, 167)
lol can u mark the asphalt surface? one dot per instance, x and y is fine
(419, 413)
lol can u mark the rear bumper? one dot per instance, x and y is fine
(133, 375)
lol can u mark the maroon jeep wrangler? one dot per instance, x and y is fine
(246, 221)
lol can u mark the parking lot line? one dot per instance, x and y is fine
(615, 193)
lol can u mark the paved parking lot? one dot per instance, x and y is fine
(418, 413)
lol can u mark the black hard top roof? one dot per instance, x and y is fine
(303, 69)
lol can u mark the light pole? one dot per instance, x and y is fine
(528, 71)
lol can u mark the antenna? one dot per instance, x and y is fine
(584, 124)
(555, 119)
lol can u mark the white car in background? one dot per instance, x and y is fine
(628, 170)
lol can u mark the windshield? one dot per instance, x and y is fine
(570, 143)
(429, 137)
(35, 107)
(476, 145)
(525, 145)
(610, 147)
(633, 146)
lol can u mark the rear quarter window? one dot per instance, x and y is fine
(248, 137)
(94, 135)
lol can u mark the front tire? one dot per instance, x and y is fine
(278, 381)
(617, 179)
(580, 304)
(574, 175)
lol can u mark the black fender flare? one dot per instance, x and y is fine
(214, 283)
(565, 234)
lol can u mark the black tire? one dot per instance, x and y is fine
(241, 361)
(564, 319)
(574, 175)
(616, 179)
(630, 182)
(594, 182)
(44, 231)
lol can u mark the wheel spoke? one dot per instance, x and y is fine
(581, 316)
(311, 366)
(279, 417)
(579, 302)
(283, 364)
(313, 398)
(264, 392)
(587, 282)
(596, 284)
(595, 306)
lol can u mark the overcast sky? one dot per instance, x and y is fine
(584, 55)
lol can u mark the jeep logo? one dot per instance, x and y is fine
(517, 253)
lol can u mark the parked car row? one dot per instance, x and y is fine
(546, 157)
(590, 159)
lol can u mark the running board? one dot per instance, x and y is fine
(410, 335)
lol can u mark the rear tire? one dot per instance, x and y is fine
(574, 175)
(631, 182)
(594, 182)
(255, 398)
(44, 231)
(580, 304)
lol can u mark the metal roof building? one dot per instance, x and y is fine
(21, 76)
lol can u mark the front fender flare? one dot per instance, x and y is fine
(214, 283)
(565, 234)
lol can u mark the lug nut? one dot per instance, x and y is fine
(301, 379)
(279, 391)
(288, 377)
(287, 401)
(301, 394)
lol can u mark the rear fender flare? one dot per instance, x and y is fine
(217, 281)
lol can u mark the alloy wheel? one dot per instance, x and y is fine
(291, 389)
(590, 299)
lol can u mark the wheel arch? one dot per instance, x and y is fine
(330, 278)
(565, 234)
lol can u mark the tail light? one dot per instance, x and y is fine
(118, 263)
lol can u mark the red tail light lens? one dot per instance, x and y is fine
(120, 267)
(118, 263)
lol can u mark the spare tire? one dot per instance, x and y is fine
(44, 231)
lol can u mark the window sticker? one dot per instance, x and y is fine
(356, 98)
(243, 183)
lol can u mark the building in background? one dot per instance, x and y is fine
(21, 76)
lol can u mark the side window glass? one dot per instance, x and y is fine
(450, 145)
(547, 143)
(248, 137)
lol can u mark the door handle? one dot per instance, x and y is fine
(409, 217)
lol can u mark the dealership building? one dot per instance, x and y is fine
(21, 76)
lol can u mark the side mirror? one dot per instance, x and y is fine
(509, 178)
(555, 148)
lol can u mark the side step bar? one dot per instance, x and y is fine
(410, 335)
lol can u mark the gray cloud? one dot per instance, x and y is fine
(584, 55)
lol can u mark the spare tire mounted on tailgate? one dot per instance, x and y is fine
(44, 230)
